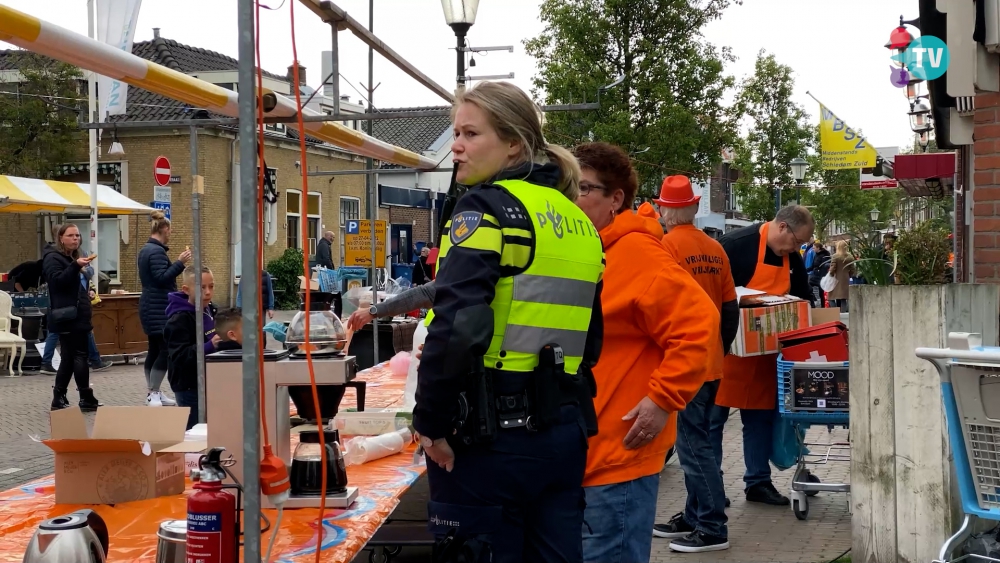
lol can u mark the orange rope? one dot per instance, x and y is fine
(260, 221)
(305, 269)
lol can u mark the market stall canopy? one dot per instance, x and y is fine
(28, 195)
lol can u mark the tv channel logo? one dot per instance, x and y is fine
(924, 58)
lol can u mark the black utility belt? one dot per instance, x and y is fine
(518, 410)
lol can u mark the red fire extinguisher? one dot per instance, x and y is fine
(211, 514)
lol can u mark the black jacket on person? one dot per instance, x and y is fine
(62, 273)
(421, 272)
(820, 266)
(159, 279)
(324, 253)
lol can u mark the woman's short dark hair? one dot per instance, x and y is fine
(613, 168)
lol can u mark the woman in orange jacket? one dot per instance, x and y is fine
(659, 326)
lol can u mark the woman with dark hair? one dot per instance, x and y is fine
(70, 315)
(159, 279)
(658, 328)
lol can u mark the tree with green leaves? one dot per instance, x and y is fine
(668, 106)
(776, 132)
(835, 196)
(40, 116)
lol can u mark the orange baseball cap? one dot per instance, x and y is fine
(676, 192)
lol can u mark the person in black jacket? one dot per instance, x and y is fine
(324, 251)
(819, 268)
(422, 270)
(181, 337)
(70, 315)
(159, 279)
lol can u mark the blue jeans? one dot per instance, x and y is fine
(618, 519)
(188, 399)
(705, 510)
(50, 348)
(758, 437)
(720, 415)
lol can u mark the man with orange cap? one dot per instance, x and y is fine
(764, 257)
(702, 525)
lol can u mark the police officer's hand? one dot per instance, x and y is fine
(649, 422)
(439, 451)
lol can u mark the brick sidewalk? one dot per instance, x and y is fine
(757, 533)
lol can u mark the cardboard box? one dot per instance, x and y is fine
(763, 318)
(824, 315)
(134, 453)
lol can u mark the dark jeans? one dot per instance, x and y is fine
(188, 399)
(818, 292)
(73, 362)
(720, 415)
(94, 357)
(523, 493)
(758, 438)
(618, 519)
(705, 509)
(155, 366)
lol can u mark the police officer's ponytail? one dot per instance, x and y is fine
(514, 116)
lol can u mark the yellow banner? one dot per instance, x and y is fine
(842, 148)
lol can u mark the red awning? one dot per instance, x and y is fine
(930, 174)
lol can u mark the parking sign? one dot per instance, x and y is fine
(353, 227)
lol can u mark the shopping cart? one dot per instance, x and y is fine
(970, 383)
(814, 394)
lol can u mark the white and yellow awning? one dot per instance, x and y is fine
(27, 195)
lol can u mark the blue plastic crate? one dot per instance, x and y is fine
(786, 398)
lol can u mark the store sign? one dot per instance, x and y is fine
(821, 388)
(358, 242)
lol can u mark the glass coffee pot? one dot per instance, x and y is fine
(307, 465)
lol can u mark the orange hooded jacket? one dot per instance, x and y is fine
(658, 328)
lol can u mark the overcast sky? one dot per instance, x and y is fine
(835, 48)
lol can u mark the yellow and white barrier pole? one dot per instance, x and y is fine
(42, 37)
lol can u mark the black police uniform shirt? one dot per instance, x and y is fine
(462, 328)
(742, 246)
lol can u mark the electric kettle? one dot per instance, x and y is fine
(78, 537)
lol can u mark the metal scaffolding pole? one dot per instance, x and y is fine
(251, 279)
(197, 186)
(370, 185)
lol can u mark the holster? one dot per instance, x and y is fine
(477, 406)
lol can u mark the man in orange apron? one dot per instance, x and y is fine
(763, 257)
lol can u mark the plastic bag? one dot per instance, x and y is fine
(785, 445)
(828, 283)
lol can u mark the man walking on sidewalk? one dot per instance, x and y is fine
(702, 525)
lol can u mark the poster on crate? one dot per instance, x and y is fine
(821, 388)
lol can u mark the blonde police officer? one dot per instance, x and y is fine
(519, 270)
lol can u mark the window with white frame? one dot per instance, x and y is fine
(108, 247)
(293, 220)
(350, 209)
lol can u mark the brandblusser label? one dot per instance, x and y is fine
(204, 537)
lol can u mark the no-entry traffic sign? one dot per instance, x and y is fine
(161, 171)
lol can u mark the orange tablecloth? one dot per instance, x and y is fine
(133, 525)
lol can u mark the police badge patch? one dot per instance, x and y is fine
(463, 225)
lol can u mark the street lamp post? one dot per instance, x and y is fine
(799, 166)
(460, 15)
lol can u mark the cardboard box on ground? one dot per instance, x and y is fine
(134, 453)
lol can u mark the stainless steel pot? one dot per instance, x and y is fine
(172, 542)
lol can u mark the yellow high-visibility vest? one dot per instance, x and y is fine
(551, 301)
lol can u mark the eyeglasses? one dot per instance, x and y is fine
(72, 236)
(794, 238)
(587, 187)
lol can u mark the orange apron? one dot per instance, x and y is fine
(752, 383)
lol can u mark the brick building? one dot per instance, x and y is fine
(332, 200)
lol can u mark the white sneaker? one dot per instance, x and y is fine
(166, 401)
(154, 399)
